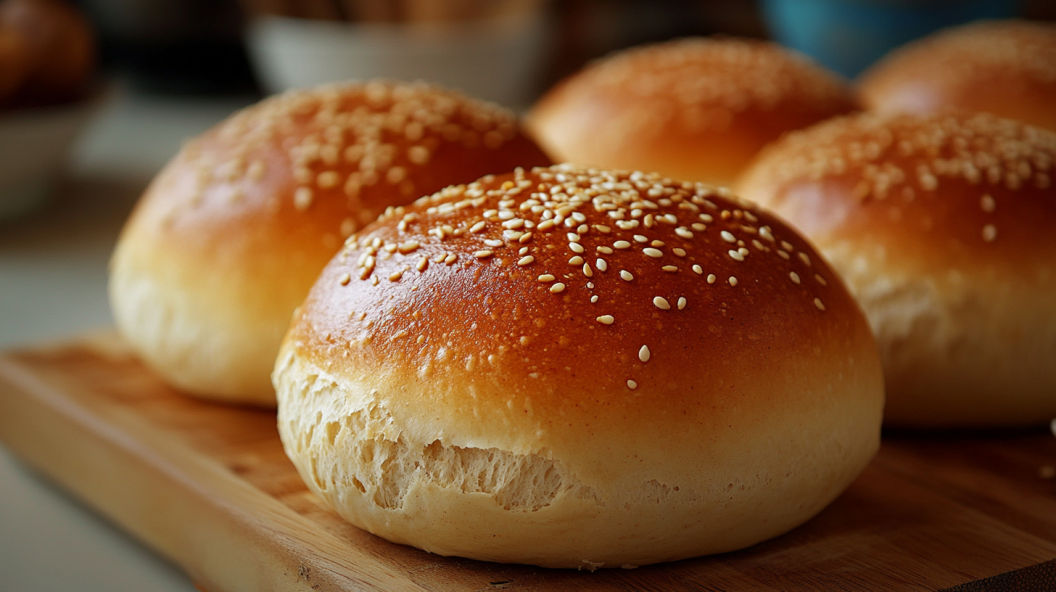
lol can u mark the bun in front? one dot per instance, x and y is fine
(694, 109)
(941, 225)
(578, 368)
(231, 235)
(1007, 68)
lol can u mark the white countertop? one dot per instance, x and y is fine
(53, 285)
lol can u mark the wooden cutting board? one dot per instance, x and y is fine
(209, 487)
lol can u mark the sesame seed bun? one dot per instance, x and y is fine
(232, 233)
(1007, 68)
(693, 109)
(578, 368)
(942, 227)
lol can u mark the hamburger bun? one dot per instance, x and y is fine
(693, 109)
(1007, 68)
(578, 368)
(232, 233)
(941, 225)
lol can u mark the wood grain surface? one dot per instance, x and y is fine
(209, 487)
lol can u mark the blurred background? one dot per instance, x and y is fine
(141, 76)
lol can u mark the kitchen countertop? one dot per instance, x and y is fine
(53, 285)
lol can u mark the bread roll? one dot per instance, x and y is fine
(1007, 68)
(231, 235)
(578, 368)
(694, 109)
(59, 50)
(942, 226)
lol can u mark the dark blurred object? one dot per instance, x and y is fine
(183, 47)
(849, 35)
(49, 50)
(589, 29)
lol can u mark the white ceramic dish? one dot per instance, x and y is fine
(496, 59)
(33, 144)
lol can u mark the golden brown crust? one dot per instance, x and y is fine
(248, 214)
(681, 331)
(941, 225)
(695, 109)
(1007, 68)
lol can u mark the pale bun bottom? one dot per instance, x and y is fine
(496, 505)
(201, 342)
(958, 351)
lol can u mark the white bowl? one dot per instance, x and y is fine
(33, 144)
(496, 59)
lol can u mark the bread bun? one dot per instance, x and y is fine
(694, 109)
(941, 225)
(232, 233)
(1007, 68)
(578, 368)
(60, 50)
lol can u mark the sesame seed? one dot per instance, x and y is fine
(794, 276)
(644, 354)
(576, 260)
(525, 238)
(669, 268)
(726, 236)
(661, 303)
(733, 281)
(302, 198)
(820, 280)
(626, 275)
(604, 250)
(602, 264)
(698, 227)
(736, 255)
(556, 288)
(408, 247)
(711, 278)
(525, 260)
(804, 257)
(546, 277)
(657, 243)
(344, 279)
(683, 232)
(679, 252)
(573, 237)
(989, 233)
(395, 277)
(987, 203)
(606, 319)
(817, 303)
(641, 239)
(594, 298)
(698, 269)
(423, 263)
(478, 226)
(651, 252)
(587, 271)
(483, 254)
(576, 247)
(546, 225)
(622, 244)
(602, 228)
(450, 259)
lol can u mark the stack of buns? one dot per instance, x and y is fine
(578, 366)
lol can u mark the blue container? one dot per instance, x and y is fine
(849, 35)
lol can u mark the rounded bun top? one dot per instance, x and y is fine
(693, 109)
(233, 232)
(936, 189)
(540, 309)
(1007, 68)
